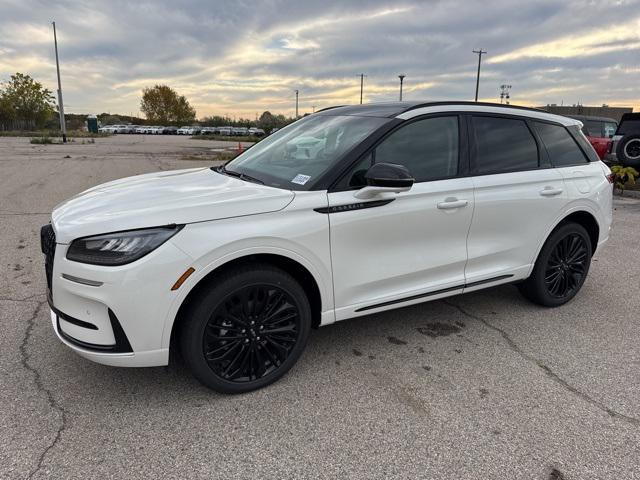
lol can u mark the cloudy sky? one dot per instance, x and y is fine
(243, 57)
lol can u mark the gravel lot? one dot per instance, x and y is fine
(479, 386)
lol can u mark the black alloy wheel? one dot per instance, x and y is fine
(561, 268)
(566, 266)
(251, 333)
(245, 328)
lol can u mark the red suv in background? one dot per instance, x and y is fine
(599, 131)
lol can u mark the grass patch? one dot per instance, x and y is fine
(54, 134)
(222, 156)
(41, 141)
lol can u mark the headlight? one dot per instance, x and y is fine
(119, 248)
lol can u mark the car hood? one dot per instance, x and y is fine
(163, 198)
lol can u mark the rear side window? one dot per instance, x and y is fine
(593, 128)
(428, 148)
(610, 129)
(561, 147)
(503, 145)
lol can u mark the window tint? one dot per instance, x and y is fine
(560, 145)
(503, 145)
(428, 148)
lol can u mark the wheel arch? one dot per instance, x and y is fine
(298, 271)
(579, 215)
(586, 220)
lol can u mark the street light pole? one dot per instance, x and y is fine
(63, 126)
(480, 53)
(362, 75)
(296, 104)
(401, 77)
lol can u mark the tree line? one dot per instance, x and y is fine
(164, 106)
(26, 104)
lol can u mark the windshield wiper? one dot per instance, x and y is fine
(241, 176)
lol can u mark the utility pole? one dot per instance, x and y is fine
(401, 77)
(504, 93)
(362, 75)
(313, 108)
(296, 104)
(63, 126)
(480, 53)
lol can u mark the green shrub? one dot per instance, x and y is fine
(623, 176)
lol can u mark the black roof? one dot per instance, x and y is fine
(393, 109)
(630, 116)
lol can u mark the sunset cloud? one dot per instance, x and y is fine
(241, 58)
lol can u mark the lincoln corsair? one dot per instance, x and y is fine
(347, 212)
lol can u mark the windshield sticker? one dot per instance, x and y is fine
(300, 179)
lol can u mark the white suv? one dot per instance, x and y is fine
(393, 204)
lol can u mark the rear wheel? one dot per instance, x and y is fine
(561, 267)
(247, 331)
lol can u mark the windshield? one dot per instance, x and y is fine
(297, 155)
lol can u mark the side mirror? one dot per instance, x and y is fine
(385, 177)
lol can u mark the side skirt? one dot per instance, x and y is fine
(433, 293)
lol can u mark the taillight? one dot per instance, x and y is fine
(611, 177)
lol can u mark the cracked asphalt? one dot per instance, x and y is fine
(483, 385)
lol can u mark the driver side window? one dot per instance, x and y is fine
(429, 148)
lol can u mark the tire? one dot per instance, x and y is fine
(628, 151)
(561, 268)
(228, 353)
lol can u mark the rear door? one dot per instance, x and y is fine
(517, 196)
(570, 154)
(401, 248)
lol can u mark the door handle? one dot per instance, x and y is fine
(550, 191)
(449, 204)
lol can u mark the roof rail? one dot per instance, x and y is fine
(329, 108)
(465, 102)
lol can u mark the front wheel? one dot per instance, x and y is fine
(561, 267)
(246, 331)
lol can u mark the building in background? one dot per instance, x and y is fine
(603, 111)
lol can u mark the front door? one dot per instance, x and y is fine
(401, 248)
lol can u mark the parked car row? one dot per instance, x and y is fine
(187, 130)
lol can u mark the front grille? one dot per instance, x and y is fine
(48, 246)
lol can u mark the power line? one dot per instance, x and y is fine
(480, 53)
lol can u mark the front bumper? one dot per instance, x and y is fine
(118, 317)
